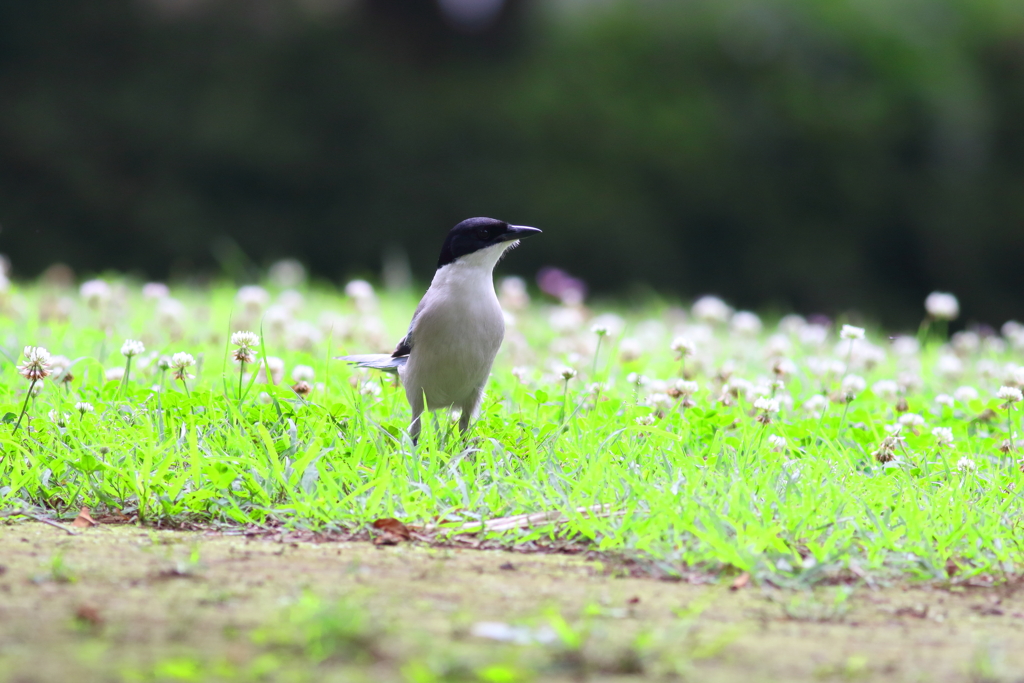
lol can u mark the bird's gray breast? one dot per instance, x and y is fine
(457, 335)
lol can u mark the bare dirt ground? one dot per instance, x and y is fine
(129, 603)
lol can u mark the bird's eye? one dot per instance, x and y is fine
(483, 234)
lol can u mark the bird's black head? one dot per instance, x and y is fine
(474, 234)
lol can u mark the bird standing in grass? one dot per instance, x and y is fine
(445, 358)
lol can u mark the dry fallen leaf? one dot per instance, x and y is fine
(392, 531)
(89, 614)
(84, 520)
(741, 581)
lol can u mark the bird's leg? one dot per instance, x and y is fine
(416, 403)
(469, 407)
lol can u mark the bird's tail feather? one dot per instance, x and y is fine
(376, 361)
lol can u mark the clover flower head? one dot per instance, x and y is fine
(36, 365)
(1009, 395)
(965, 464)
(911, 420)
(965, 394)
(853, 385)
(302, 388)
(945, 400)
(303, 373)
(746, 324)
(84, 407)
(777, 443)
(245, 341)
(944, 435)
(645, 420)
(711, 309)
(567, 373)
(155, 290)
(942, 306)
(253, 298)
(767, 405)
(180, 363)
(851, 332)
(683, 346)
(95, 292)
(131, 347)
(686, 387)
(599, 329)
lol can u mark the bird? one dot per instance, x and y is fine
(445, 358)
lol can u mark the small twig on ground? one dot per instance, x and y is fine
(39, 518)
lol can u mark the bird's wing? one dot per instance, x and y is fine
(404, 347)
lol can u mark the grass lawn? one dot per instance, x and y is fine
(687, 445)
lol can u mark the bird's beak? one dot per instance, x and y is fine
(518, 232)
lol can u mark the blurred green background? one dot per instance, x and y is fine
(808, 155)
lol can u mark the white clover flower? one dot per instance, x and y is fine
(965, 464)
(599, 329)
(58, 418)
(512, 294)
(244, 338)
(942, 306)
(777, 443)
(746, 324)
(1009, 395)
(155, 290)
(114, 374)
(683, 346)
(711, 309)
(60, 368)
(911, 420)
(965, 394)
(170, 312)
(276, 367)
(303, 373)
(180, 363)
(885, 389)
(131, 348)
(637, 379)
(630, 349)
(84, 407)
(945, 400)
(95, 292)
(252, 298)
(370, 389)
(287, 273)
(949, 366)
(813, 335)
(520, 373)
(686, 387)
(303, 336)
(768, 405)
(944, 435)
(566, 372)
(645, 420)
(36, 365)
(783, 367)
(362, 293)
(791, 323)
(565, 319)
(966, 342)
(815, 404)
(906, 346)
(851, 332)
(659, 400)
(853, 385)
(614, 324)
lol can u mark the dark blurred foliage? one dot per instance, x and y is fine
(797, 154)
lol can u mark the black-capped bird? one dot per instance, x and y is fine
(456, 331)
